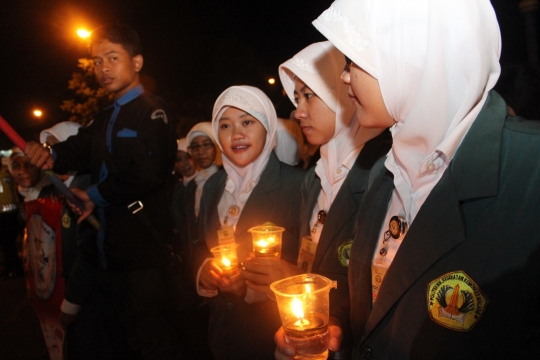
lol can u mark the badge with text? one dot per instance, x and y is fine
(377, 276)
(306, 256)
(455, 301)
(344, 252)
(225, 235)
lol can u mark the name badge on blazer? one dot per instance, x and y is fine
(455, 301)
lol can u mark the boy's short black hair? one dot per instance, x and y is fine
(118, 34)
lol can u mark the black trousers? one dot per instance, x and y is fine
(127, 316)
(9, 229)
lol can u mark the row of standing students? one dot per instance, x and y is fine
(445, 222)
(253, 187)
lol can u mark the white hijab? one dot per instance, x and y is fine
(320, 66)
(61, 131)
(203, 129)
(435, 61)
(242, 181)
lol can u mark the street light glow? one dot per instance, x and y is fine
(83, 33)
(38, 113)
(271, 81)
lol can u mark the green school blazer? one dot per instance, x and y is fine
(465, 282)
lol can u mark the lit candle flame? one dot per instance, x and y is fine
(226, 262)
(297, 308)
(262, 243)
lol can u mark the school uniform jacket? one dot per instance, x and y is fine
(239, 330)
(478, 229)
(338, 228)
(138, 168)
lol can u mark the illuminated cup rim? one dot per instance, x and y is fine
(266, 229)
(277, 286)
(221, 248)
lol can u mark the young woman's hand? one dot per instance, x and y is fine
(210, 275)
(260, 272)
(235, 284)
(285, 351)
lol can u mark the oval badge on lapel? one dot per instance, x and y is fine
(455, 301)
(344, 252)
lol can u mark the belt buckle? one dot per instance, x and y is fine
(135, 206)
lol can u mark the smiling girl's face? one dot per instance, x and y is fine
(317, 120)
(241, 136)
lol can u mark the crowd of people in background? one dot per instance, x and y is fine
(401, 174)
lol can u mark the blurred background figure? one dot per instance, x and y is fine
(207, 158)
(9, 225)
(519, 85)
(184, 167)
(289, 141)
(185, 171)
(29, 178)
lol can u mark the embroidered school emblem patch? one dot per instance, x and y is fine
(455, 301)
(66, 221)
(344, 252)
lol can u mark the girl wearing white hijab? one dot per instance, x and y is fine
(252, 189)
(206, 156)
(333, 190)
(444, 245)
(29, 178)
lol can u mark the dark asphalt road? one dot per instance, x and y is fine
(20, 333)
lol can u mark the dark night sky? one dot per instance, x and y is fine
(193, 49)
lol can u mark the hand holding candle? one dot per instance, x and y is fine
(303, 304)
(260, 272)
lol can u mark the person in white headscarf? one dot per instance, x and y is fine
(288, 141)
(445, 246)
(29, 178)
(184, 166)
(333, 190)
(78, 282)
(207, 158)
(253, 188)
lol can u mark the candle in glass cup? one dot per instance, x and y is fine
(226, 258)
(303, 304)
(267, 240)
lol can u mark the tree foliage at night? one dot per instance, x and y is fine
(89, 98)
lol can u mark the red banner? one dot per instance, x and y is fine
(43, 268)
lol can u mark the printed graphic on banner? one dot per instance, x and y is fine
(42, 256)
(455, 301)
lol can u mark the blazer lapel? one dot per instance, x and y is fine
(430, 240)
(343, 208)
(269, 181)
(313, 190)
